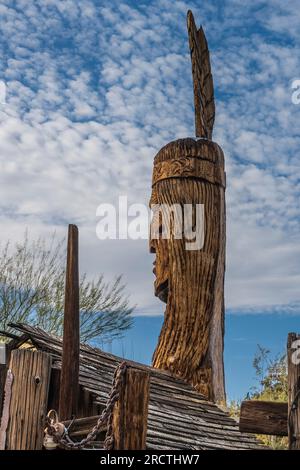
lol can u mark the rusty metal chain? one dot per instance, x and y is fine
(106, 417)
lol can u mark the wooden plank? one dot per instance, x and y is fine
(172, 401)
(3, 373)
(82, 426)
(293, 354)
(6, 407)
(264, 417)
(130, 413)
(29, 399)
(53, 401)
(69, 384)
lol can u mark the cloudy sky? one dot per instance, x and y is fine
(95, 88)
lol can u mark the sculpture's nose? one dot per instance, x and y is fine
(154, 269)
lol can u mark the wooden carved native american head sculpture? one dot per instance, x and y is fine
(189, 173)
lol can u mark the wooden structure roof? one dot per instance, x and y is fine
(179, 417)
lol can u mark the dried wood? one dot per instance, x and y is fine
(130, 413)
(3, 374)
(173, 403)
(69, 384)
(82, 426)
(192, 282)
(29, 398)
(293, 353)
(202, 79)
(264, 417)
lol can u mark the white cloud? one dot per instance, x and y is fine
(95, 89)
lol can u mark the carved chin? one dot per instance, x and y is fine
(162, 290)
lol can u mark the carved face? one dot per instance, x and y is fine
(190, 281)
(159, 246)
(179, 170)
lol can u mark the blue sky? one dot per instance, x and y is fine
(243, 334)
(95, 88)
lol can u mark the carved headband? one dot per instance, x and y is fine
(189, 167)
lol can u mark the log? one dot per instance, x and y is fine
(69, 383)
(130, 414)
(29, 399)
(264, 417)
(293, 354)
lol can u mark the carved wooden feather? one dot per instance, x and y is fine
(202, 78)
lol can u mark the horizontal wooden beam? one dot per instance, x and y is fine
(264, 417)
(82, 426)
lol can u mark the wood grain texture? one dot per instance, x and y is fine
(6, 408)
(3, 374)
(293, 353)
(179, 417)
(192, 282)
(29, 398)
(189, 167)
(68, 399)
(264, 417)
(202, 80)
(15, 343)
(130, 413)
(82, 426)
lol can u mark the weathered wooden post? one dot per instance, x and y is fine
(3, 372)
(293, 354)
(278, 418)
(29, 399)
(69, 382)
(189, 173)
(131, 411)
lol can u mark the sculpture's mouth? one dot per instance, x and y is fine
(162, 290)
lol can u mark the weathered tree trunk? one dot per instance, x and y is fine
(29, 398)
(293, 352)
(130, 413)
(69, 383)
(190, 345)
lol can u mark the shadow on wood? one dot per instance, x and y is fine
(264, 417)
(29, 398)
(130, 413)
